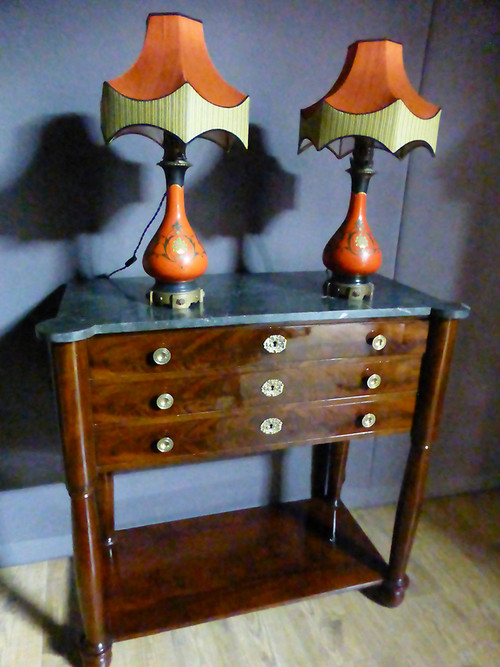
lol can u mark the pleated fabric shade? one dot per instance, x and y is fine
(373, 98)
(174, 87)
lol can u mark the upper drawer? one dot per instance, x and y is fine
(194, 350)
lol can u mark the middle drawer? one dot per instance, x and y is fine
(158, 399)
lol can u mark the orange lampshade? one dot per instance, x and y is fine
(372, 98)
(173, 86)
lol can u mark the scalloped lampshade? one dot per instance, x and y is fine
(372, 98)
(371, 105)
(173, 86)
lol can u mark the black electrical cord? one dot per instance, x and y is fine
(133, 258)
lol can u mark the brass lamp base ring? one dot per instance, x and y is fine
(176, 300)
(350, 291)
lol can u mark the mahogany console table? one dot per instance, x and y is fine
(266, 363)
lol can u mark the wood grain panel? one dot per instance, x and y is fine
(197, 437)
(124, 355)
(302, 382)
(171, 575)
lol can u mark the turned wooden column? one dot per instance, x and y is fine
(432, 387)
(71, 374)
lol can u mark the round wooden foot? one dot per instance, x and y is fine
(95, 656)
(388, 593)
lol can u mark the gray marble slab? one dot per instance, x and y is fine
(104, 305)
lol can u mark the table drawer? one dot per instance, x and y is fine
(204, 349)
(122, 446)
(161, 398)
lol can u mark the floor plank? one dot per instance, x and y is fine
(450, 618)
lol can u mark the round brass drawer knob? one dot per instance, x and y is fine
(368, 420)
(379, 342)
(271, 426)
(161, 356)
(165, 445)
(272, 387)
(275, 344)
(165, 401)
(373, 381)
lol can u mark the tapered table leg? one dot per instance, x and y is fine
(434, 375)
(95, 647)
(71, 370)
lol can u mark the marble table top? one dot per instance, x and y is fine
(103, 305)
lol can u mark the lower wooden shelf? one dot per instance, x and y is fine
(166, 576)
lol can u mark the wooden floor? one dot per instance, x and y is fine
(450, 618)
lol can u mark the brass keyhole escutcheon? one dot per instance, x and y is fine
(368, 420)
(373, 381)
(161, 356)
(272, 387)
(165, 445)
(379, 342)
(165, 401)
(271, 426)
(275, 344)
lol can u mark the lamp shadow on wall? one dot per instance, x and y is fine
(70, 187)
(245, 191)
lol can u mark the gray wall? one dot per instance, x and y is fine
(70, 205)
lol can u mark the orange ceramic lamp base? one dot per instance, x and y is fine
(174, 256)
(352, 253)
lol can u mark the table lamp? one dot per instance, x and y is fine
(371, 105)
(173, 94)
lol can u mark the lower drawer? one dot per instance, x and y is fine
(120, 446)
